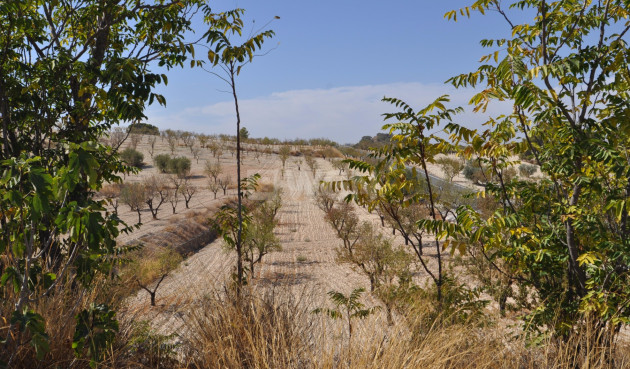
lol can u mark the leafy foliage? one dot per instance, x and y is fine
(566, 234)
(70, 72)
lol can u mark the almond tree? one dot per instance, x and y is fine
(188, 190)
(133, 195)
(224, 183)
(156, 192)
(214, 187)
(213, 170)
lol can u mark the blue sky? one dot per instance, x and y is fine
(331, 63)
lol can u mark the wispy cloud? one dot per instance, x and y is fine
(344, 114)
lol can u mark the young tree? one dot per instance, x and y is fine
(232, 58)
(450, 166)
(117, 137)
(112, 193)
(133, 194)
(259, 238)
(196, 152)
(224, 183)
(312, 164)
(156, 269)
(134, 140)
(172, 143)
(189, 140)
(214, 187)
(188, 190)
(156, 193)
(350, 306)
(284, 152)
(152, 140)
(340, 165)
(391, 181)
(213, 170)
(203, 140)
(176, 183)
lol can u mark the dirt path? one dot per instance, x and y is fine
(306, 262)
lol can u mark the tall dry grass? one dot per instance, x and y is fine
(275, 329)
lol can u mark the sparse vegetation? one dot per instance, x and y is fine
(548, 246)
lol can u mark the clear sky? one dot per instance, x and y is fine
(331, 63)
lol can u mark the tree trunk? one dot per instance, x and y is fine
(239, 246)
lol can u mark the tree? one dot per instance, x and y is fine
(152, 140)
(350, 306)
(527, 170)
(284, 153)
(394, 182)
(179, 166)
(340, 165)
(176, 183)
(565, 73)
(69, 73)
(156, 193)
(312, 164)
(244, 133)
(214, 187)
(224, 183)
(134, 141)
(117, 137)
(161, 162)
(450, 166)
(259, 238)
(213, 170)
(231, 58)
(203, 140)
(188, 190)
(112, 193)
(196, 152)
(132, 157)
(156, 269)
(172, 143)
(133, 194)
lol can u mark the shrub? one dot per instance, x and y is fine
(179, 166)
(161, 162)
(527, 170)
(132, 157)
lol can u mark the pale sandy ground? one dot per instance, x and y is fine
(303, 232)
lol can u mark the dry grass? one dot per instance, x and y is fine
(276, 330)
